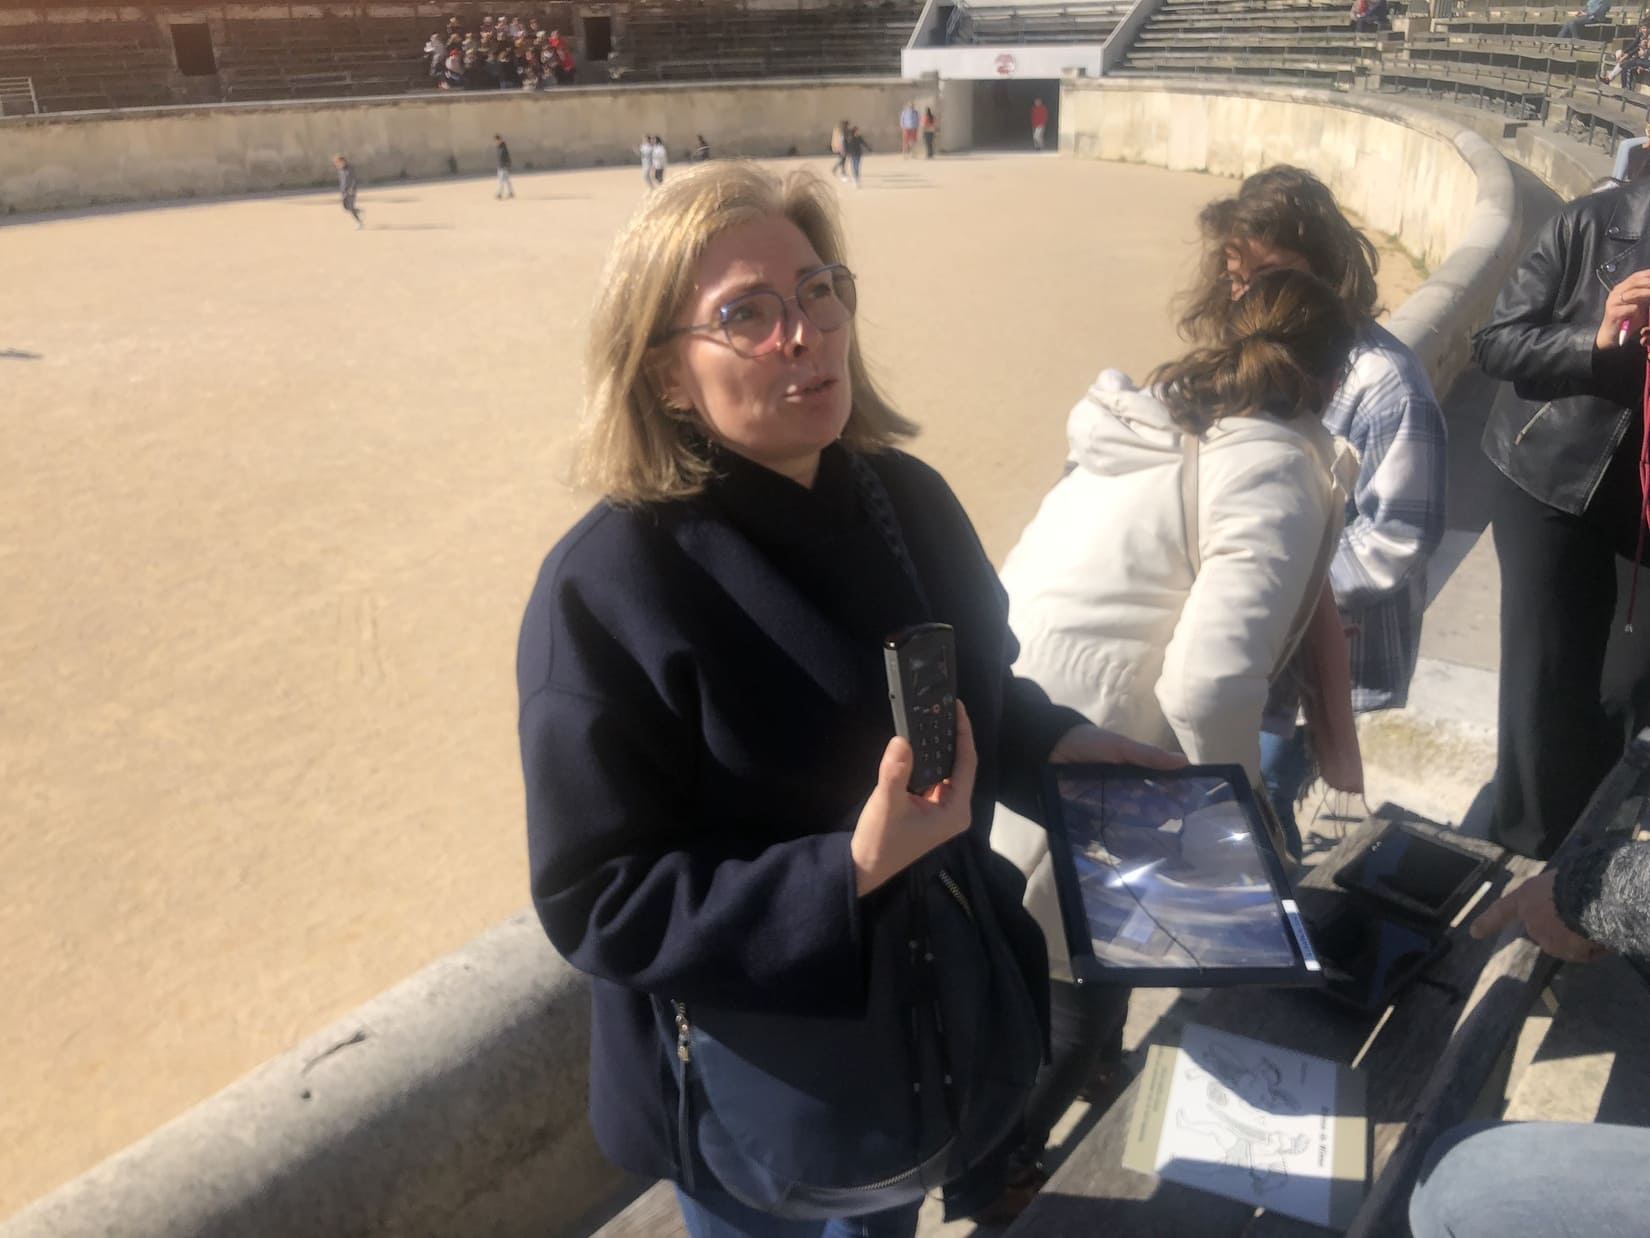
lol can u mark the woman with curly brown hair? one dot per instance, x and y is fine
(1284, 218)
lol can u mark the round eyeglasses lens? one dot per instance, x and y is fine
(753, 322)
(828, 298)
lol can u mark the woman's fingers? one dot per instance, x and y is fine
(1089, 745)
(964, 769)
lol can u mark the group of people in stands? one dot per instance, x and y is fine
(1632, 58)
(505, 53)
(1369, 16)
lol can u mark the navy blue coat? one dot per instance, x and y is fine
(703, 711)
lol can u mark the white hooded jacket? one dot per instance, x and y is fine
(1118, 619)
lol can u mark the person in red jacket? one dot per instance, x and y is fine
(1039, 122)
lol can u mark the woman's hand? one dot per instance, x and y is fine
(1089, 745)
(896, 828)
(1626, 303)
(1531, 905)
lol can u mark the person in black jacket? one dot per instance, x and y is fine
(714, 802)
(854, 147)
(1567, 331)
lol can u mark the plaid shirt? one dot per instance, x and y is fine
(1387, 411)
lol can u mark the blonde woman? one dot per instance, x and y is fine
(718, 822)
(1166, 578)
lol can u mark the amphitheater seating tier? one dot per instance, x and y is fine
(1505, 57)
(674, 42)
(1075, 22)
(1298, 42)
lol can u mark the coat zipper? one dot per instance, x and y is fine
(1519, 437)
(955, 891)
(684, 1032)
(684, 1120)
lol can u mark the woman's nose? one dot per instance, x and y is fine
(800, 333)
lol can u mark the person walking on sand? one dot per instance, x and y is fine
(839, 138)
(908, 122)
(346, 187)
(659, 158)
(1039, 122)
(854, 147)
(502, 151)
(645, 150)
(930, 129)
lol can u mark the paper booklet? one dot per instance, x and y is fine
(1253, 1122)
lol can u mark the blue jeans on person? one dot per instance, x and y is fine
(710, 1213)
(1573, 29)
(1534, 1180)
(1283, 766)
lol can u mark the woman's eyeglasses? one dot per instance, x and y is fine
(758, 323)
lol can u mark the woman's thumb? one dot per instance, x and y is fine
(894, 775)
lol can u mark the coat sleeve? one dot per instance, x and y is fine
(635, 885)
(1603, 893)
(1545, 358)
(1261, 531)
(1032, 724)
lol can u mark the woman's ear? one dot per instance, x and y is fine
(665, 377)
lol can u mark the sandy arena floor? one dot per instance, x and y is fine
(272, 493)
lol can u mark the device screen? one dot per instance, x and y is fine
(1370, 957)
(1405, 864)
(1170, 874)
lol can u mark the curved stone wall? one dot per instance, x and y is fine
(80, 159)
(1441, 189)
(453, 1104)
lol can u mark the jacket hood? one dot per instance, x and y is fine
(1115, 430)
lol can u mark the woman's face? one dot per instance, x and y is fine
(1247, 258)
(780, 409)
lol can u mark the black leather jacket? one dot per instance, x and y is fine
(1574, 402)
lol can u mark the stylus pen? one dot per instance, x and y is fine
(1621, 335)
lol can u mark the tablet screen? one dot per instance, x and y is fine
(1169, 872)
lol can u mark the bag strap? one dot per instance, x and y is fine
(1189, 451)
(1190, 448)
(881, 508)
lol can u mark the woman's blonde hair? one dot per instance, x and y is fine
(1287, 342)
(634, 447)
(1286, 208)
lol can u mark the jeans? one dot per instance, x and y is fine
(1283, 764)
(1534, 1180)
(1573, 29)
(710, 1213)
(504, 185)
